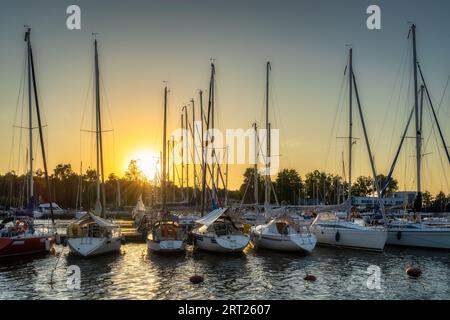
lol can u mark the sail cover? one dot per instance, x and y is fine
(100, 221)
(139, 205)
(212, 216)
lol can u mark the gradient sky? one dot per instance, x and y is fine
(143, 43)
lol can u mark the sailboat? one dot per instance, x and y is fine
(327, 227)
(281, 232)
(417, 233)
(18, 233)
(92, 235)
(164, 233)
(221, 230)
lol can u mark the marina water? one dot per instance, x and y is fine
(255, 274)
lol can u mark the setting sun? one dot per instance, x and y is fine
(147, 161)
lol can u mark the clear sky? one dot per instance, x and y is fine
(143, 43)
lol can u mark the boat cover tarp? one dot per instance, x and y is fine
(100, 221)
(212, 216)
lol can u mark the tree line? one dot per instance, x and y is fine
(320, 187)
(69, 189)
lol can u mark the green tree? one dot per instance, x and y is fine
(248, 184)
(288, 186)
(392, 185)
(440, 202)
(134, 173)
(362, 187)
(427, 200)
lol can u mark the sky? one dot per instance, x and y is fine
(143, 43)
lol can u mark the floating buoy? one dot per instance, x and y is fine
(310, 277)
(413, 272)
(195, 279)
(338, 236)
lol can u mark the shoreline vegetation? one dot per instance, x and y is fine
(312, 188)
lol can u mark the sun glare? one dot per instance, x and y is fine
(147, 161)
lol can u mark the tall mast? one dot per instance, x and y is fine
(186, 123)
(255, 168)
(30, 204)
(100, 167)
(350, 123)
(267, 176)
(182, 151)
(202, 116)
(212, 107)
(418, 202)
(194, 150)
(164, 156)
(41, 136)
(173, 168)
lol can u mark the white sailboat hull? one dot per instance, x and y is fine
(351, 238)
(292, 242)
(224, 244)
(88, 246)
(166, 246)
(438, 238)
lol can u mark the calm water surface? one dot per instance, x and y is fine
(134, 274)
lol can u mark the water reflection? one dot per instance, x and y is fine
(254, 274)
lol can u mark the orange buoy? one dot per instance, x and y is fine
(413, 272)
(195, 279)
(310, 277)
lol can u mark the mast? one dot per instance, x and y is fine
(119, 200)
(173, 168)
(100, 166)
(371, 157)
(267, 176)
(164, 155)
(418, 201)
(194, 151)
(185, 133)
(202, 116)
(30, 204)
(182, 151)
(255, 168)
(80, 188)
(212, 107)
(350, 124)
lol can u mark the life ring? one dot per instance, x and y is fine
(338, 236)
(399, 235)
(21, 226)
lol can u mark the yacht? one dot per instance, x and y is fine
(220, 231)
(330, 230)
(283, 234)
